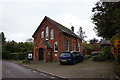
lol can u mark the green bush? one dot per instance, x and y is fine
(18, 56)
(104, 54)
(5, 54)
(95, 53)
(14, 56)
(106, 51)
(86, 57)
(98, 58)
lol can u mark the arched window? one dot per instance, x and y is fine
(47, 33)
(74, 46)
(42, 35)
(56, 47)
(52, 34)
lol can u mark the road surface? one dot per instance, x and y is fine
(13, 70)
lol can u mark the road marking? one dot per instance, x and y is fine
(29, 69)
(43, 74)
(53, 77)
(35, 71)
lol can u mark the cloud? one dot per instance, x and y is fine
(45, 1)
(86, 25)
(20, 18)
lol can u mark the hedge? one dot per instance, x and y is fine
(14, 56)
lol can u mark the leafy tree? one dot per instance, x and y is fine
(3, 38)
(81, 34)
(106, 19)
(14, 50)
(94, 40)
(24, 47)
(29, 40)
(87, 46)
(10, 46)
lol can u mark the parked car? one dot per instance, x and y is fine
(70, 57)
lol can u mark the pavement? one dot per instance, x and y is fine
(14, 71)
(85, 69)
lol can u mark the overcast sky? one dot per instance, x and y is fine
(20, 18)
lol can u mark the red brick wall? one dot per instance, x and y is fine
(59, 36)
(88, 51)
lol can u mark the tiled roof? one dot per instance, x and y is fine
(59, 26)
(47, 44)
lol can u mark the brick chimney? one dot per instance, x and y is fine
(72, 28)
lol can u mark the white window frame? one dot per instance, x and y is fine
(42, 35)
(54, 46)
(79, 46)
(52, 34)
(74, 46)
(67, 47)
(47, 33)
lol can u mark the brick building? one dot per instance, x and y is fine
(52, 38)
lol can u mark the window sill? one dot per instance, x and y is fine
(52, 38)
(47, 39)
(55, 51)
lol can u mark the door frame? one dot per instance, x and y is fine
(41, 54)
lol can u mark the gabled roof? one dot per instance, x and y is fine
(59, 26)
(47, 44)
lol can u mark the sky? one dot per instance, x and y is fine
(20, 18)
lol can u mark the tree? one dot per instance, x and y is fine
(24, 47)
(81, 34)
(94, 40)
(29, 40)
(10, 46)
(3, 38)
(106, 19)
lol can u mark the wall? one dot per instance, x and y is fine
(59, 36)
(88, 51)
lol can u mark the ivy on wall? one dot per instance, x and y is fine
(115, 49)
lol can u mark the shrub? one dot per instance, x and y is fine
(87, 56)
(14, 56)
(98, 58)
(5, 54)
(18, 56)
(115, 43)
(103, 55)
(95, 53)
(106, 51)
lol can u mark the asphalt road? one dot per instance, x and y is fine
(12, 70)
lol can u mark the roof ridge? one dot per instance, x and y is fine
(59, 26)
(62, 26)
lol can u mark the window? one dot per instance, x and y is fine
(65, 54)
(56, 47)
(52, 34)
(79, 46)
(74, 46)
(75, 53)
(42, 35)
(47, 33)
(67, 45)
